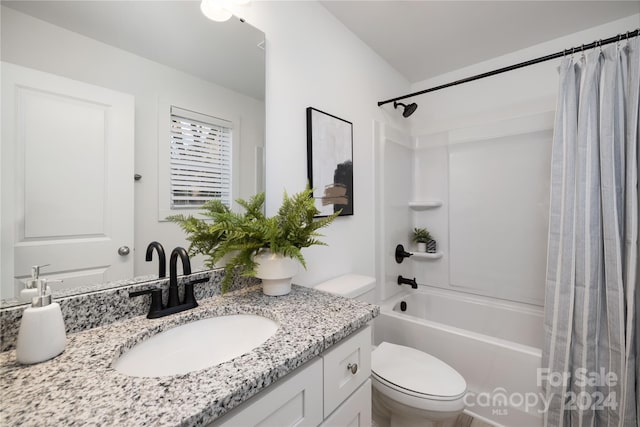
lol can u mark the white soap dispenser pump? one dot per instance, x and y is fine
(42, 334)
(30, 290)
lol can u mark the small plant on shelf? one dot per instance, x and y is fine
(422, 237)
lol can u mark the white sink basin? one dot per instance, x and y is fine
(196, 345)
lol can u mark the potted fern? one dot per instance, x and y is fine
(421, 236)
(253, 244)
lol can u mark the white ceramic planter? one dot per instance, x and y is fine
(225, 259)
(422, 247)
(276, 272)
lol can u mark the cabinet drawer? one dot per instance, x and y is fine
(355, 412)
(295, 400)
(339, 379)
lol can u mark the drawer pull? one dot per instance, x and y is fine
(353, 367)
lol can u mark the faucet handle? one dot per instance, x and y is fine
(189, 297)
(156, 300)
(401, 254)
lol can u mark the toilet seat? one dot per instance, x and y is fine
(411, 372)
(394, 397)
(412, 393)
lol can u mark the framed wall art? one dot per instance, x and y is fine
(330, 162)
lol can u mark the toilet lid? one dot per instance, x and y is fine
(416, 371)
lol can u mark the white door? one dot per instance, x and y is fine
(67, 179)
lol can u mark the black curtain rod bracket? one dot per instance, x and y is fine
(598, 43)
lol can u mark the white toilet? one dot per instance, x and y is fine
(410, 388)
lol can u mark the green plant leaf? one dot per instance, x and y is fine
(242, 235)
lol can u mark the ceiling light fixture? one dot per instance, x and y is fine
(220, 10)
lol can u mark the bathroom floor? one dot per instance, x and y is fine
(463, 420)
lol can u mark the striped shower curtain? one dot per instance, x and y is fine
(590, 360)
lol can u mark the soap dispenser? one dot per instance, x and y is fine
(42, 334)
(30, 290)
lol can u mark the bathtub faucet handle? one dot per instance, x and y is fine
(405, 281)
(401, 254)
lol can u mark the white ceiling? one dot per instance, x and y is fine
(423, 39)
(420, 39)
(174, 33)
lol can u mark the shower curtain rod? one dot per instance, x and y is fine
(560, 54)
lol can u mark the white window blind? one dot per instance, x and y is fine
(200, 159)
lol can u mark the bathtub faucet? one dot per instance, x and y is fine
(401, 254)
(405, 281)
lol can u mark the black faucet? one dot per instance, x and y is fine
(173, 274)
(162, 259)
(405, 281)
(157, 309)
(401, 254)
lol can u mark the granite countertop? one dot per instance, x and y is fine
(80, 387)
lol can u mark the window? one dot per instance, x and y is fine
(200, 160)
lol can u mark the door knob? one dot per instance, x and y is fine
(123, 250)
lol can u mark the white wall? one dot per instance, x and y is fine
(36, 44)
(512, 94)
(314, 61)
(311, 60)
(513, 104)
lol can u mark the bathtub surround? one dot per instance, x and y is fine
(508, 114)
(514, 109)
(591, 321)
(80, 387)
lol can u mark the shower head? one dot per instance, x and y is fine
(408, 109)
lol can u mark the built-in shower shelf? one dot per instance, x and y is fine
(421, 205)
(426, 255)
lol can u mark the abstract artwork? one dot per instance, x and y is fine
(330, 162)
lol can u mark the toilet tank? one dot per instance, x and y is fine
(356, 286)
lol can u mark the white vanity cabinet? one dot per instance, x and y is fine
(332, 390)
(295, 401)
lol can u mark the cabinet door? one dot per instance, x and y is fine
(294, 401)
(355, 411)
(346, 366)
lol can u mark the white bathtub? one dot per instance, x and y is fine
(495, 345)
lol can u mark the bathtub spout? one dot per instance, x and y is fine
(405, 281)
